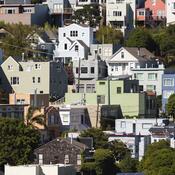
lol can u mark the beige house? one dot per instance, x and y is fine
(30, 77)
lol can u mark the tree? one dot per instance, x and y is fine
(104, 162)
(36, 1)
(17, 142)
(109, 35)
(159, 159)
(89, 14)
(119, 149)
(100, 140)
(141, 37)
(128, 164)
(33, 118)
(171, 106)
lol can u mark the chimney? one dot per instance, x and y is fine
(138, 51)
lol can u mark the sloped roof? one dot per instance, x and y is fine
(144, 53)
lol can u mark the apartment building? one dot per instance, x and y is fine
(121, 14)
(35, 77)
(170, 12)
(74, 42)
(25, 13)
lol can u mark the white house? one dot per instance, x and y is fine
(136, 143)
(127, 58)
(150, 78)
(170, 12)
(137, 126)
(52, 169)
(120, 14)
(74, 42)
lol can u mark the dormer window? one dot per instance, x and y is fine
(65, 46)
(122, 54)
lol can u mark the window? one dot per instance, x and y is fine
(65, 46)
(39, 79)
(141, 13)
(33, 79)
(119, 90)
(77, 70)
(168, 82)
(64, 34)
(74, 33)
(146, 125)
(10, 67)
(90, 88)
(78, 159)
(92, 70)
(152, 76)
(173, 5)
(40, 156)
(76, 48)
(14, 80)
(123, 124)
(117, 13)
(84, 70)
(122, 54)
(82, 119)
(166, 93)
(65, 118)
(101, 99)
(150, 87)
(81, 88)
(102, 83)
(66, 159)
(37, 66)
(138, 76)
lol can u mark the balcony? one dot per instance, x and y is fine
(61, 11)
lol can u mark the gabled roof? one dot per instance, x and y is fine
(80, 42)
(68, 140)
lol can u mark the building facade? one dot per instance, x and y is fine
(170, 12)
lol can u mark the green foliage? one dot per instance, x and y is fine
(36, 1)
(128, 164)
(17, 142)
(108, 35)
(100, 140)
(159, 159)
(119, 149)
(88, 168)
(89, 14)
(17, 41)
(104, 162)
(141, 37)
(171, 106)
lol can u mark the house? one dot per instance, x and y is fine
(35, 77)
(112, 91)
(74, 42)
(149, 76)
(138, 126)
(168, 86)
(121, 14)
(60, 150)
(136, 143)
(170, 12)
(127, 58)
(74, 117)
(28, 14)
(56, 169)
(162, 132)
(152, 14)
(42, 44)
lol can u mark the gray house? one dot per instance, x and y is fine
(35, 77)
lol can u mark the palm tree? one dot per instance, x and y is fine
(32, 119)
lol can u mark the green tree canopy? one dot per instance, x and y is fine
(104, 162)
(141, 37)
(159, 159)
(109, 35)
(119, 149)
(17, 142)
(89, 14)
(171, 106)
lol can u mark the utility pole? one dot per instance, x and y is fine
(78, 90)
(109, 99)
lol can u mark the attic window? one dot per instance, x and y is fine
(122, 54)
(76, 48)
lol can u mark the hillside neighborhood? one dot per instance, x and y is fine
(87, 87)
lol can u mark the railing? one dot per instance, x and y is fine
(60, 11)
(58, 102)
